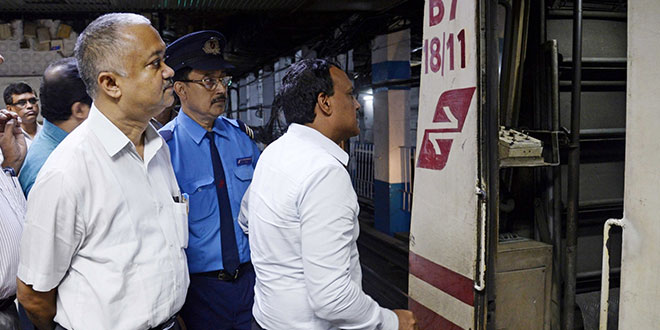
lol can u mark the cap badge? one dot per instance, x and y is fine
(212, 46)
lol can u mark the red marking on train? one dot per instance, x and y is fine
(454, 284)
(450, 115)
(428, 319)
(458, 101)
(428, 157)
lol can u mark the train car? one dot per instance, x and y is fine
(530, 113)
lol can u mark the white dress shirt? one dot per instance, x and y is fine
(104, 228)
(28, 138)
(12, 211)
(302, 214)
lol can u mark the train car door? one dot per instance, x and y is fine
(447, 243)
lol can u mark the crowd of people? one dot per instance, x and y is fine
(121, 213)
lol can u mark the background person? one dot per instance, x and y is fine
(12, 211)
(65, 105)
(20, 98)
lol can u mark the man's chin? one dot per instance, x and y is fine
(29, 119)
(218, 107)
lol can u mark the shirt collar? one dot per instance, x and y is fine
(27, 136)
(53, 132)
(112, 138)
(311, 135)
(195, 130)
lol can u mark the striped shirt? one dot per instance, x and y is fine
(12, 212)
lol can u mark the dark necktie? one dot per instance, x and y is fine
(227, 237)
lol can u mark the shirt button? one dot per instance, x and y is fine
(199, 189)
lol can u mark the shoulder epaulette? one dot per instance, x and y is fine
(245, 128)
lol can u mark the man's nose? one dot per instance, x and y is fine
(167, 72)
(221, 88)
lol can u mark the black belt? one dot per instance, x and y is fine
(5, 303)
(169, 324)
(224, 275)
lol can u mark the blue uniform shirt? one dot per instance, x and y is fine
(42, 146)
(191, 159)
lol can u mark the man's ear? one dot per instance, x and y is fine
(80, 111)
(323, 102)
(180, 90)
(107, 82)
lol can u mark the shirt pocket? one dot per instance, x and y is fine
(243, 177)
(181, 223)
(202, 198)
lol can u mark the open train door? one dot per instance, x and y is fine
(640, 257)
(450, 229)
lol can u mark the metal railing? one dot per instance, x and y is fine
(407, 176)
(361, 168)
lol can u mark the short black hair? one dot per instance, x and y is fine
(181, 74)
(301, 85)
(16, 89)
(61, 88)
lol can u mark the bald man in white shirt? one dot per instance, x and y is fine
(302, 214)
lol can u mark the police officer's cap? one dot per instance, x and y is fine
(200, 50)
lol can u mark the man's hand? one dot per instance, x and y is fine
(12, 140)
(407, 320)
(40, 306)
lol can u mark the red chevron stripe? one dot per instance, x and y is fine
(428, 319)
(454, 284)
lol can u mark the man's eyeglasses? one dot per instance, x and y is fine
(211, 83)
(22, 103)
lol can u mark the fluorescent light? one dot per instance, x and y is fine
(368, 97)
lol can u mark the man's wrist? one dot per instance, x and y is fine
(15, 164)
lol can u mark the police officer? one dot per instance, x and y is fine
(213, 159)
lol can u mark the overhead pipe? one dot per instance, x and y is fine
(558, 265)
(573, 172)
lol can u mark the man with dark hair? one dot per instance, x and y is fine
(213, 159)
(302, 213)
(19, 98)
(65, 105)
(105, 230)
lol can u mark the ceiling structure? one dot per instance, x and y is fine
(258, 31)
(213, 5)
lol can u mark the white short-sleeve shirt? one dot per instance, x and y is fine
(12, 212)
(302, 211)
(104, 227)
